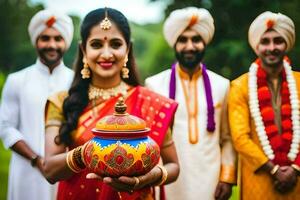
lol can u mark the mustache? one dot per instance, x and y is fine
(191, 52)
(275, 52)
(191, 61)
(51, 49)
(42, 52)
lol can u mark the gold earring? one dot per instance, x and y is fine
(125, 70)
(85, 72)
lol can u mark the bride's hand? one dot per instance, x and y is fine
(129, 184)
(94, 176)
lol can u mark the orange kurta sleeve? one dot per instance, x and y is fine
(228, 162)
(297, 78)
(241, 125)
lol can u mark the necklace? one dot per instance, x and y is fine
(263, 114)
(105, 94)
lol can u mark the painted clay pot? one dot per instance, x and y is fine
(121, 146)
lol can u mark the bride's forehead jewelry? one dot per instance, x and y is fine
(105, 23)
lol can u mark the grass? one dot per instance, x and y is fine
(235, 193)
(4, 160)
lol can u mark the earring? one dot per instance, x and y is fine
(85, 72)
(125, 70)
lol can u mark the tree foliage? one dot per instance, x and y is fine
(151, 50)
(229, 53)
(16, 50)
(15, 45)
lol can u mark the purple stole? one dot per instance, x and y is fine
(211, 125)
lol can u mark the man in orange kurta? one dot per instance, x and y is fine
(264, 113)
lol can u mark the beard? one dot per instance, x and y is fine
(190, 59)
(48, 60)
(273, 63)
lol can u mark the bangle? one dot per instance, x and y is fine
(70, 162)
(77, 157)
(164, 175)
(274, 170)
(73, 160)
(34, 160)
(296, 167)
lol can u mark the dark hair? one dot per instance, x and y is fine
(78, 93)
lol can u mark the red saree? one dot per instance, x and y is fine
(158, 113)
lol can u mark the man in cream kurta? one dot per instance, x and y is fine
(200, 130)
(23, 101)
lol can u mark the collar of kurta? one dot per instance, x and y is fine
(211, 125)
(43, 68)
(184, 75)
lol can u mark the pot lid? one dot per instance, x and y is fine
(121, 121)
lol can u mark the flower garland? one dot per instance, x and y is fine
(263, 114)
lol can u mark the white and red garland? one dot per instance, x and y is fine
(263, 114)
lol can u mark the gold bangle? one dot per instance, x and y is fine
(82, 152)
(77, 157)
(70, 162)
(73, 163)
(164, 175)
(274, 170)
(296, 167)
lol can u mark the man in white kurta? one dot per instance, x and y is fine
(202, 138)
(23, 102)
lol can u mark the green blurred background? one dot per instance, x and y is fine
(228, 54)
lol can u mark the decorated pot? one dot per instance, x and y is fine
(121, 146)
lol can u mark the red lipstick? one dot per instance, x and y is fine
(105, 65)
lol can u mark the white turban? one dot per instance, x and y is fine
(268, 20)
(48, 18)
(198, 19)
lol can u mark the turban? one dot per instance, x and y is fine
(268, 20)
(197, 19)
(47, 18)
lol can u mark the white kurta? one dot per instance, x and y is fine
(200, 163)
(22, 118)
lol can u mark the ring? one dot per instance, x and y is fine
(137, 182)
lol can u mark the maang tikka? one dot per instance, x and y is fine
(105, 23)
